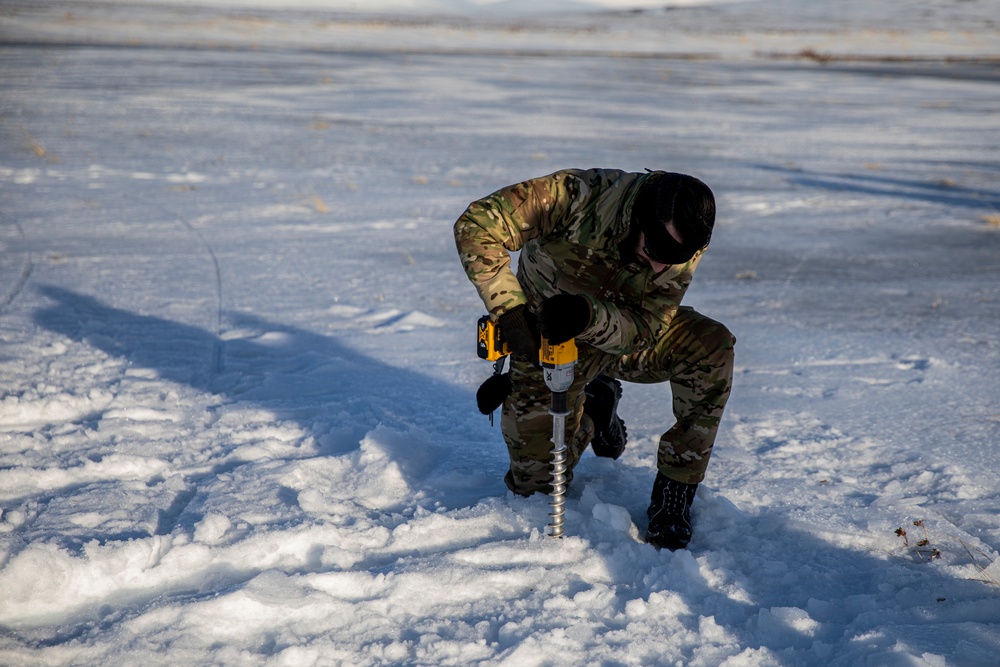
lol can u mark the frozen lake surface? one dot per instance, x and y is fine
(237, 377)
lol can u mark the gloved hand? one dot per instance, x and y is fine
(562, 317)
(517, 326)
(493, 393)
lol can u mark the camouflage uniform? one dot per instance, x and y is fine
(570, 228)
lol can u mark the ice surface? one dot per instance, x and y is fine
(237, 377)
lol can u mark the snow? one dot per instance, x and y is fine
(237, 377)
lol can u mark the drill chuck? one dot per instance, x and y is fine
(557, 365)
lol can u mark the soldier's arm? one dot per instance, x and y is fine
(618, 329)
(493, 227)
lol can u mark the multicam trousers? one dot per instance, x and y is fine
(695, 356)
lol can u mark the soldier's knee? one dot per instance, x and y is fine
(718, 339)
(531, 478)
(727, 341)
(521, 487)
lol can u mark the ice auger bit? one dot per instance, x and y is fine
(557, 367)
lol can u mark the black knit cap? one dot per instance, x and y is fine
(685, 200)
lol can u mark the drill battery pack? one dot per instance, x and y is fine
(490, 344)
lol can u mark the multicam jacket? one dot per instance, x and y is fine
(570, 228)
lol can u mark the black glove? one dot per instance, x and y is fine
(562, 317)
(493, 393)
(517, 326)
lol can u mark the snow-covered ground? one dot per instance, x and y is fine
(237, 367)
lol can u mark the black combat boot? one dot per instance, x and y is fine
(670, 513)
(601, 405)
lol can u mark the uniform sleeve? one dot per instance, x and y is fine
(493, 227)
(623, 329)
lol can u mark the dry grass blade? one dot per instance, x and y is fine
(987, 577)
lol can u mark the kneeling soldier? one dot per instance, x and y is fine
(605, 258)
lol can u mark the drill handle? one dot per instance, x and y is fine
(557, 355)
